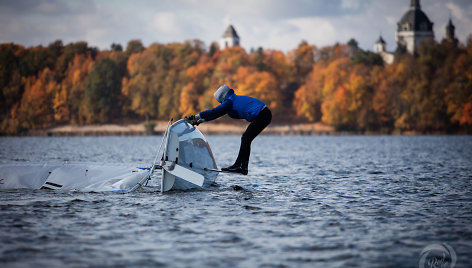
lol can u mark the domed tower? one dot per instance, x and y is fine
(380, 45)
(450, 33)
(413, 28)
(230, 38)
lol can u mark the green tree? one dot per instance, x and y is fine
(116, 47)
(368, 58)
(213, 49)
(102, 92)
(11, 83)
(134, 46)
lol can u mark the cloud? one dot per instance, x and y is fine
(439, 12)
(278, 24)
(276, 9)
(167, 26)
(456, 11)
(167, 23)
(353, 5)
(32, 22)
(462, 15)
(39, 8)
(319, 31)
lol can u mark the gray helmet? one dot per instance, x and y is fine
(220, 94)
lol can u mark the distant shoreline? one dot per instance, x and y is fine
(159, 128)
(302, 129)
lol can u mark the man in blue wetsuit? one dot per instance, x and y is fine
(238, 107)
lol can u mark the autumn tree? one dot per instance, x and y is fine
(335, 93)
(303, 58)
(340, 85)
(227, 63)
(198, 80)
(142, 89)
(68, 54)
(69, 104)
(260, 85)
(309, 97)
(36, 108)
(283, 70)
(338, 92)
(458, 93)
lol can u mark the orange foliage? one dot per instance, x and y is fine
(432, 91)
(68, 99)
(36, 110)
(188, 100)
(466, 118)
(260, 85)
(308, 97)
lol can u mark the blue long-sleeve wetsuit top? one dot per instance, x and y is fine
(238, 107)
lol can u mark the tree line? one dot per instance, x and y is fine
(340, 85)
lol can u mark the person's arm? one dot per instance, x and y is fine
(216, 112)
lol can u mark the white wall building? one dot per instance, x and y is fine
(230, 38)
(380, 48)
(413, 28)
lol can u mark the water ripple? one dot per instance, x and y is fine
(307, 202)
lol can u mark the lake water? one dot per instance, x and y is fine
(345, 201)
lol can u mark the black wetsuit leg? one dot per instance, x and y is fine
(255, 127)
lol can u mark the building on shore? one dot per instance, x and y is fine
(380, 48)
(230, 38)
(413, 29)
(450, 33)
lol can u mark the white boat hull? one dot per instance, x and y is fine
(187, 147)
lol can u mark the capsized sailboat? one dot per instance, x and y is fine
(186, 162)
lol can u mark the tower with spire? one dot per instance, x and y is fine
(380, 48)
(380, 45)
(413, 28)
(230, 38)
(450, 33)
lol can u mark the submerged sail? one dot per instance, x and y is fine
(187, 147)
(84, 177)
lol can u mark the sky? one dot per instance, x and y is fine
(273, 24)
